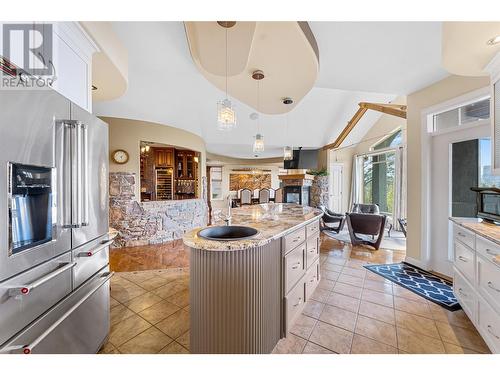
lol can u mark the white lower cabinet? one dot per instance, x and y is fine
(476, 283)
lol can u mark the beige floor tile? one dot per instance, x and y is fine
(338, 317)
(457, 318)
(377, 297)
(375, 311)
(113, 302)
(348, 290)
(124, 292)
(127, 329)
(331, 267)
(356, 263)
(417, 324)
(303, 326)
(184, 340)
(455, 349)
(376, 330)
(412, 307)
(335, 260)
(356, 272)
(364, 345)
(119, 313)
(136, 277)
(313, 309)
(159, 311)
(333, 338)
(463, 337)
(342, 301)
(416, 343)
(108, 348)
(330, 275)
(326, 284)
(150, 341)
(374, 277)
(174, 348)
(154, 283)
(142, 302)
(169, 289)
(312, 348)
(180, 299)
(405, 293)
(176, 324)
(290, 345)
(351, 280)
(320, 295)
(378, 286)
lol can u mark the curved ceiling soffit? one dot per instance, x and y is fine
(110, 65)
(465, 48)
(286, 52)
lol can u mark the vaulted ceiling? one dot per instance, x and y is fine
(371, 62)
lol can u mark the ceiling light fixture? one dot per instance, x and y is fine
(287, 150)
(493, 41)
(258, 144)
(226, 115)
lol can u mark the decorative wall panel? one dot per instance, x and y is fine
(249, 181)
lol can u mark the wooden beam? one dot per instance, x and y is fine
(398, 110)
(345, 132)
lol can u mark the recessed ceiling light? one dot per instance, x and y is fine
(493, 41)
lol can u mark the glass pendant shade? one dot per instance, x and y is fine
(258, 145)
(226, 116)
(287, 153)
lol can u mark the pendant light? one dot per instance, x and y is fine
(226, 115)
(258, 144)
(287, 150)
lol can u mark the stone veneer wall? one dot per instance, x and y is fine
(147, 223)
(319, 191)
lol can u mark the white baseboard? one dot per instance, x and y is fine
(418, 263)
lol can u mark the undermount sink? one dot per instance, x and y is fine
(228, 233)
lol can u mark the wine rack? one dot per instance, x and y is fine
(164, 183)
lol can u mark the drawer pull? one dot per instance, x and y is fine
(489, 251)
(99, 248)
(24, 290)
(313, 250)
(297, 239)
(313, 280)
(461, 291)
(461, 234)
(298, 303)
(296, 265)
(463, 259)
(490, 284)
(492, 333)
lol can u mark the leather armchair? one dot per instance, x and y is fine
(366, 224)
(331, 221)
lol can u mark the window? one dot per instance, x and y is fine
(486, 178)
(378, 180)
(463, 115)
(216, 183)
(395, 139)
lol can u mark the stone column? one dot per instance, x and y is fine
(320, 191)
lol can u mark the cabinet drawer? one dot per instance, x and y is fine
(488, 281)
(294, 239)
(464, 260)
(465, 295)
(294, 266)
(312, 249)
(463, 235)
(294, 303)
(489, 325)
(312, 229)
(487, 249)
(89, 259)
(25, 297)
(312, 279)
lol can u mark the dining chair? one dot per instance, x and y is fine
(245, 196)
(278, 195)
(264, 196)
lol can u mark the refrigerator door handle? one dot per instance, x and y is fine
(84, 190)
(65, 174)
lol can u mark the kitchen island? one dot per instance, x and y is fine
(245, 294)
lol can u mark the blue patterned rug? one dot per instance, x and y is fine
(421, 282)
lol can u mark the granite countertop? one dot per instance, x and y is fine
(271, 220)
(479, 226)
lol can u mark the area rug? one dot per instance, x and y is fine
(423, 283)
(397, 241)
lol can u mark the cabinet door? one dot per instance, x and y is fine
(169, 158)
(160, 158)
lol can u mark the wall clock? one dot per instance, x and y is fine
(120, 156)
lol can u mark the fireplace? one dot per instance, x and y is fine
(296, 188)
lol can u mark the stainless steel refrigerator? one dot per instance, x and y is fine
(54, 240)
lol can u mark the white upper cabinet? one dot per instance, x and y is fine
(65, 47)
(493, 69)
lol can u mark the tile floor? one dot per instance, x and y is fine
(352, 311)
